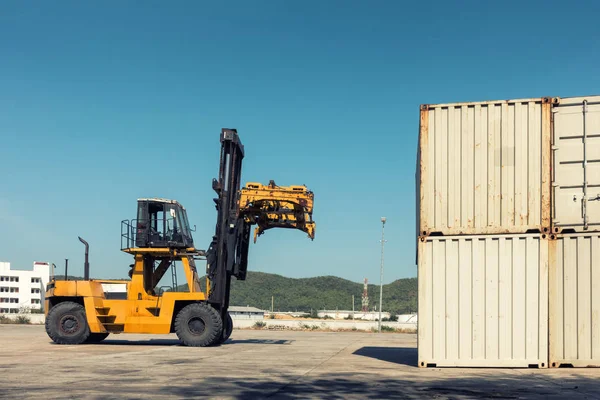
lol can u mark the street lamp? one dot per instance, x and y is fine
(381, 272)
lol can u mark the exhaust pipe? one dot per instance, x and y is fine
(86, 265)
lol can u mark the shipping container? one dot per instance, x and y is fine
(483, 301)
(484, 168)
(576, 162)
(575, 300)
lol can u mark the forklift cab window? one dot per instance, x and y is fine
(177, 225)
(183, 223)
(150, 224)
(156, 222)
(162, 224)
(186, 222)
(173, 227)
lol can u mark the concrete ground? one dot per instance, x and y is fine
(260, 364)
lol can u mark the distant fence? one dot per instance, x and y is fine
(334, 325)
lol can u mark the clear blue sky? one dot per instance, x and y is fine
(103, 103)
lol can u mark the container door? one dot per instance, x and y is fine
(574, 268)
(483, 301)
(576, 186)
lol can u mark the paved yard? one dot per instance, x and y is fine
(260, 364)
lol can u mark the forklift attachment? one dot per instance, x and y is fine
(273, 206)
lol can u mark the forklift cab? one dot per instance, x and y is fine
(162, 223)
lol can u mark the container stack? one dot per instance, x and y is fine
(502, 205)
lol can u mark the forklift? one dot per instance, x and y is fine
(88, 310)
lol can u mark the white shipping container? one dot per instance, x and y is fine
(575, 300)
(483, 301)
(484, 168)
(576, 159)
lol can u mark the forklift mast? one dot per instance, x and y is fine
(227, 254)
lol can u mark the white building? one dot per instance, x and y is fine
(343, 314)
(295, 314)
(252, 313)
(23, 290)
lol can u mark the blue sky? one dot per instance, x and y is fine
(103, 103)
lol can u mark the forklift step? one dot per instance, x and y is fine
(102, 310)
(153, 310)
(107, 319)
(114, 328)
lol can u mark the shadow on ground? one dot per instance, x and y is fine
(370, 386)
(175, 342)
(399, 355)
(329, 386)
(150, 342)
(258, 341)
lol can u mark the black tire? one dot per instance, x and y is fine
(198, 325)
(227, 329)
(67, 324)
(96, 337)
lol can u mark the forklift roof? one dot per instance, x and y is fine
(159, 200)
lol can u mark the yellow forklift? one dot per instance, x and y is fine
(88, 310)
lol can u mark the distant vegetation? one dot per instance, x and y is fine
(21, 319)
(323, 292)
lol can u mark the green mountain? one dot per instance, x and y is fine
(318, 293)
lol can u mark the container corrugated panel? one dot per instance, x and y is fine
(576, 158)
(484, 168)
(575, 300)
(483, 301)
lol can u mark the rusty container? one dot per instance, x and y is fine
(484, 168)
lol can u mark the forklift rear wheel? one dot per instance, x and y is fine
(67, 324)
(198, 325)
(96, 337)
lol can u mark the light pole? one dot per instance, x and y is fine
(381, 271)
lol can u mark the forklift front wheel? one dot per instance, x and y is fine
(198, 325)
(227, 329)
(67, 324)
